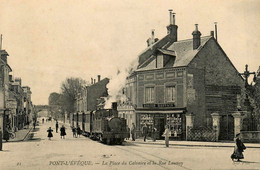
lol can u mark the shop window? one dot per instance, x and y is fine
(149, 94)
(175, 123)
(170, 93)
(146, 119)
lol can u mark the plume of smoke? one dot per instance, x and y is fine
(117, 83)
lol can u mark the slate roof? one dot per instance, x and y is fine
(182, 51)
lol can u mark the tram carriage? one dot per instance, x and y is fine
(103, 125)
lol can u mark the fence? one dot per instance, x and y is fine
(201, 134)
(250, 136)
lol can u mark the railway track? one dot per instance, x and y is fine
(154, 159)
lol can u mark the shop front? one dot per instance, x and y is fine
(159, 117)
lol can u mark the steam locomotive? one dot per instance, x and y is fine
(103, 125)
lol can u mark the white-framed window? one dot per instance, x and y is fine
(170, 93)
(149, 94)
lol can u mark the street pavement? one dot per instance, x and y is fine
(21, 135)
(84, 153)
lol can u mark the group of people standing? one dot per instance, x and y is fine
(145, 130)
(76, 131)
(62, 131)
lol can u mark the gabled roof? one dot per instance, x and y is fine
(151, 49)
(181, 50)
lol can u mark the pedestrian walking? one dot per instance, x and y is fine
(167, 134)
(6, 133)
(42, 120)
(34, 123)
(154, 130)
(78, 131)
(145, 131)
(57, 126)
(128, 133)
(62, 132)
(1, 138)
(239, 149)
(74, 132)
(50, 135)
(133, 131)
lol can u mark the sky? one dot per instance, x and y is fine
(50, 40)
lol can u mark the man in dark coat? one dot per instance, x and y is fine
(145, 131)
(78, 131)
(128, 133)
(133, 132)
(62, 132)
(74, 132)
(57, 126)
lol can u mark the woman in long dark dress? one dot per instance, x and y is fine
(50, 133)
(62, 132)
(239, 149)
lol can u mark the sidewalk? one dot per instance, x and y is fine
(193, 143)
(20, 135)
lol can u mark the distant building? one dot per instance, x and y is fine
(27, 104)
(18, 96)
(126, 110)
(5, 69)
(178, 78)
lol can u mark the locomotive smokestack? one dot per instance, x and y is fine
(99, 78)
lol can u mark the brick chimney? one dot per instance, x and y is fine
(10, 78)
(172, 28)
(99, 78)
(212, 33)
(151, 40)
(196, 37)
(18, 80)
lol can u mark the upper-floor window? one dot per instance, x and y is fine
(170, 93)
(149, 94)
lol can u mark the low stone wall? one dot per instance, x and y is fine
(250, 136)
(201, 134)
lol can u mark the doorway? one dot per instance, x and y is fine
(159, 123)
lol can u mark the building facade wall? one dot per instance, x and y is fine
(218, 87)
(94, 92)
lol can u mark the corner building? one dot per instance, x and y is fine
(178, 78)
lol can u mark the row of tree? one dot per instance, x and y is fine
(65, 101)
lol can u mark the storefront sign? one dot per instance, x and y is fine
(159, 105)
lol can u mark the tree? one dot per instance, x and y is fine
(55, 99)
(69, 91)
